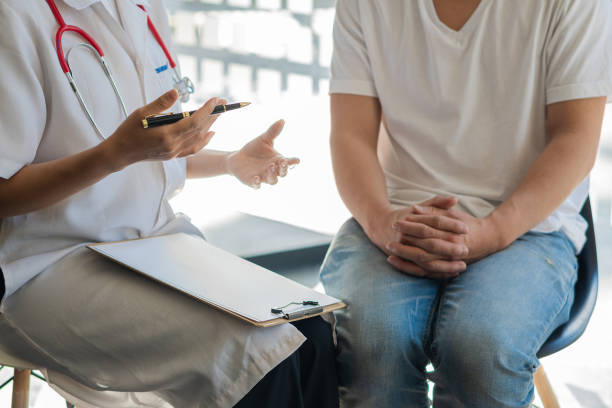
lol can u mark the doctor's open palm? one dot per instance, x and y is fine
(258, 162)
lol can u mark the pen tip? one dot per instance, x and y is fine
(243, 104)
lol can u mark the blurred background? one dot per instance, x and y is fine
(276, 54)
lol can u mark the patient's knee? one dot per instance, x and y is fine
(482, 359)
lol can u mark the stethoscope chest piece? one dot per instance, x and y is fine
(184, 87)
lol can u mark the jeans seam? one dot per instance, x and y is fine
(432, 326)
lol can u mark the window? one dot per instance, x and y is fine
(275, 54)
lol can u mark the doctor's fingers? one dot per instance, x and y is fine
(159, 105)
(270, 175)
(197, 146)
(163, 144)
(283, 168)
(279, 168)
(255, 183)
(173, 143)
(199, 122)
(285, 164)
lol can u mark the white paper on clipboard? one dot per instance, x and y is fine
(216, 277)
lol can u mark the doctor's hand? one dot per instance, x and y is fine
(441, 259)
(132, 143)
(258, 162)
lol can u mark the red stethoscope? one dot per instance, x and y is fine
(184, 86)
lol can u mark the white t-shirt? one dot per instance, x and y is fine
(464, 112)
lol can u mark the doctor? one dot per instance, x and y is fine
(75, 170)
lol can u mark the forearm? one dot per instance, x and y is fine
(360, 180)
(207, 163)
(573, 128)
(37, 186)
(355, 123)
(554, 175)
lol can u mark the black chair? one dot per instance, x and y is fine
(585, 295)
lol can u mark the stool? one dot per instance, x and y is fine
(21, 379)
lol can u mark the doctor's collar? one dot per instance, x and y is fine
(81, 4)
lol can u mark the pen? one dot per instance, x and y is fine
(159, 120)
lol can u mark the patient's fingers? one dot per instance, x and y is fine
(443, 202)
(411, 268)
(445, 249)
(438, 222)
(424, 259)
(424, 231)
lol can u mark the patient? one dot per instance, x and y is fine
(463, 132)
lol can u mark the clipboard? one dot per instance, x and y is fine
(218, 278)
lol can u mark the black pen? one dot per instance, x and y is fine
(159, 120)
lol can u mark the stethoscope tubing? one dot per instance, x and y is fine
(77, 91)
(94, 47)
(159, 39)
(65, 28)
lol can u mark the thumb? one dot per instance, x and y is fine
(442, 202)
(273, 131)
(161, 104)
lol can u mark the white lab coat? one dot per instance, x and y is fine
(151, 345)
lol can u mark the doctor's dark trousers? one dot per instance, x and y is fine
(1, 285)
(305, 379)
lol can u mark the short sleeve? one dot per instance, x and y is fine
(350, 69)
(22, 107)
(578, 52)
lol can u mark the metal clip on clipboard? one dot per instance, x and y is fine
(316, 308)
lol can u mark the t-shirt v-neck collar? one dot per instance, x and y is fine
(465, 29)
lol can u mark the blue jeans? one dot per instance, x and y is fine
(481, 330)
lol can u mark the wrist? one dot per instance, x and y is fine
(228, 165)
(376, 219)
(499, 231)
(110, 158)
